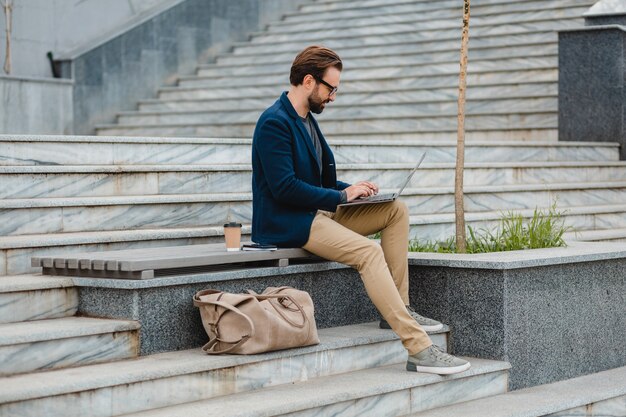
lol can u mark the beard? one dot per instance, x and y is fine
(316, 104)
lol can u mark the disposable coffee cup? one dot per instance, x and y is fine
(232, 234)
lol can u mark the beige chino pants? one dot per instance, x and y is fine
(341, 237)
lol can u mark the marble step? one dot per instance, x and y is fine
(414, 96)
(16, 251)
(38, 156)
(42, 182)
(371, 74)
(584, 220)
(599, 394)
(408, 33)
(407, 7)
(65, 342)
(333, 8)
(23, 217)
(497, 124)
(612, 234)
(360, 53)
(29, 297)
(434, 17)
(475, 80)
(442, 25)
(400, 58)
(383, 391)
(146, 383)
(356, 113)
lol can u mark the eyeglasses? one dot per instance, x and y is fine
(333, 89)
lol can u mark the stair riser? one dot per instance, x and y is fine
(63, 353)
(479, 23)
(127, 398)
(364, 52)
(19, 222)
(352, 99)
(443, 231)
(478, 68)
(375, 85)
(549, 104)
(330, 127)
(410, 34)
(418, 12)
(397, 403)
(38, 304)
(400, 60)
(240, 181)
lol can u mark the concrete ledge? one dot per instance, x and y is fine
(553, 314)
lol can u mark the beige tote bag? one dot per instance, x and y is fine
(279, 318)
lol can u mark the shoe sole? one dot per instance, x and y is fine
(448, 370)
(385, 325)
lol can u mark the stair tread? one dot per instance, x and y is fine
(60, 328)
(163, 365)
(19, 283)
(321, 391)
(542, 399)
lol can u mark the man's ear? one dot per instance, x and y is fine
(308, 82)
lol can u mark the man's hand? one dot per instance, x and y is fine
(361, 189)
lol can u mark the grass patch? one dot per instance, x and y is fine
(544, 230)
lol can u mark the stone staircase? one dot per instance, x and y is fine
(173, 171)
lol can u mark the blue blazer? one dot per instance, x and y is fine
(287, 188)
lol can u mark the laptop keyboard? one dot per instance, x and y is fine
(377, 197)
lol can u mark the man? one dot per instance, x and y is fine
(295, 199)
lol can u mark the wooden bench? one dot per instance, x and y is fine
(162, 261)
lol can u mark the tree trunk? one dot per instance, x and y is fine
(8, 18)
(459, 210)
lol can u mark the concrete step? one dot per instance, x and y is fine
(361, 112)
(65, 342)
(498, 125)
(146, 383)
(384, 391)
(385, 71)
(441, 25)
(401, 83)
(415, 12)
(599, 394)
(413, 96)
(400, 58)
(30, 297)
(446, 8)
(399, 47)
(146, 181)
(16, 251)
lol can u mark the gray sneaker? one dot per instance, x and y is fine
(433, 360)
(429, 325)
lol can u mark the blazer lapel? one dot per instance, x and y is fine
(303, 133)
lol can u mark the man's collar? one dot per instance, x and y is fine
(287, 103)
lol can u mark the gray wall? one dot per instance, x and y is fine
(61, 26)
(592, 85)
(35, 106)
(132, 66)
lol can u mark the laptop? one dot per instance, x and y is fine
(385, 198)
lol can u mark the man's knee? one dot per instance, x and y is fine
(400, 209)
(369, 251)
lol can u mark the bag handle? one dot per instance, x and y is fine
(212, 342)
(269, 297)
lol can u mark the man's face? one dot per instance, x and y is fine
(321, 94)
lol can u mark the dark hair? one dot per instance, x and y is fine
(313, 60)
